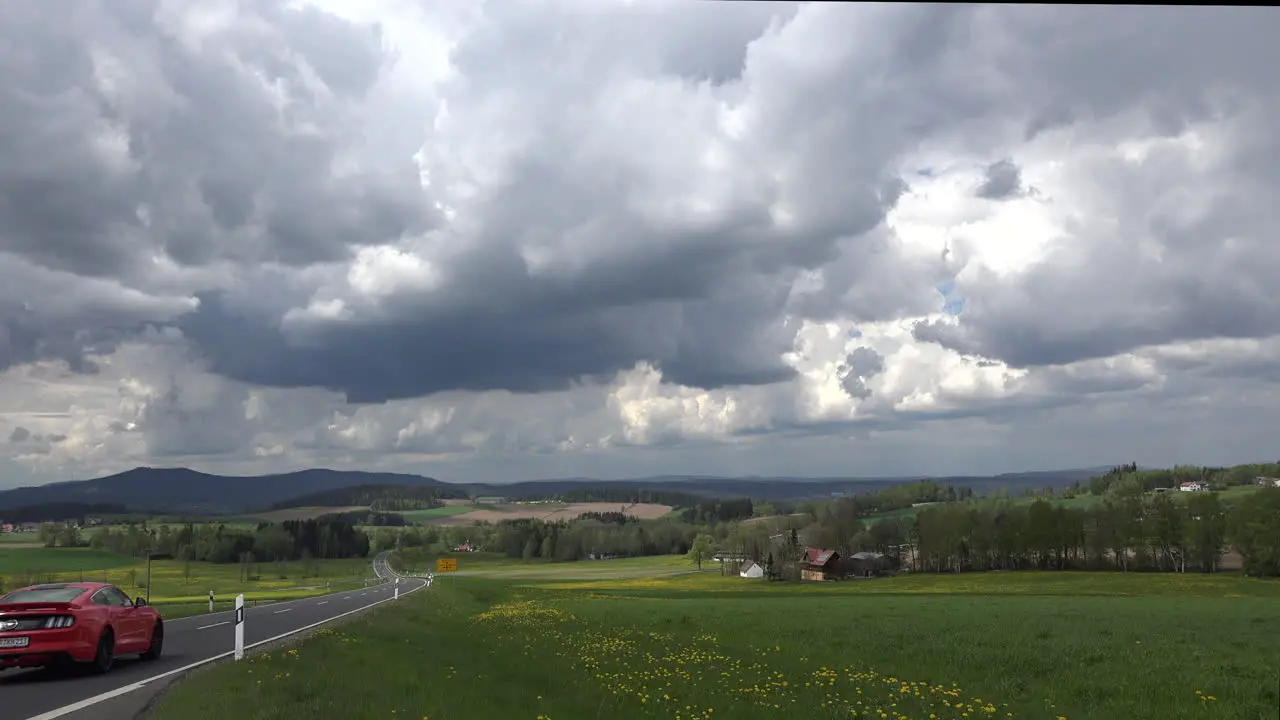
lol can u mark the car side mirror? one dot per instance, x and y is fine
(140, 602)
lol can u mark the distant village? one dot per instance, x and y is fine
(812, 563)
(30, 527)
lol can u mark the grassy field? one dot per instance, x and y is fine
(306, 512)
(492, 565)
(38, 560)
(1008, 645)
(180, 588)
(418, 516)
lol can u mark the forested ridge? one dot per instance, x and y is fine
(382, 498)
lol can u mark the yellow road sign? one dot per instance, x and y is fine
(446, 565)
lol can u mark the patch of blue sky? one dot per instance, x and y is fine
(952, 304)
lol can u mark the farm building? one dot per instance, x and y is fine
(866, 564)
(728, 556)
(1266, 482)
(489, 500)
(820, 564)
(751, 569)
(1193, 486)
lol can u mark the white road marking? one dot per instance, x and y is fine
(90, 702)
(206, 616)
(323, 602)
(284, 611)
(206, 627)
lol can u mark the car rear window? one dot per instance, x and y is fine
(58, 594)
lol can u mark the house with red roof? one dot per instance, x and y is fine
(820, 564)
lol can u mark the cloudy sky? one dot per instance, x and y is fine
(538, 238)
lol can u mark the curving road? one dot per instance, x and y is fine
(189, 643)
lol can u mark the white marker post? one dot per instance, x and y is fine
(240, 626)
(397, 595)
(210, 601)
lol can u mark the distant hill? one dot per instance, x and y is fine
(181, 490)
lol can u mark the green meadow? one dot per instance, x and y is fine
(418, 516)
(36, 560)
(1044, 646)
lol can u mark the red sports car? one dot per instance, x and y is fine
(68, 624)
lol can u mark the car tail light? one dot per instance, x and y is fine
(59, 621)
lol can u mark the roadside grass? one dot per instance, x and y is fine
(494, 565)
(175, 583)
(947, 648)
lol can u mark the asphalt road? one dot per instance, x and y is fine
(44, 695)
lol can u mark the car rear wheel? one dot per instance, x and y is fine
(105, 657)
(157, 644)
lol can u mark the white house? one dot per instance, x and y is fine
(751, 570)
(1193, 486)
(1266, 482)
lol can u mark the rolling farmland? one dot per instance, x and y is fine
(1040, 646)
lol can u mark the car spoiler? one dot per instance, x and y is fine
(21, 606)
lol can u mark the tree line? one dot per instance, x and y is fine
(370, 518)
(532, 539)
(623, 495)
(321, 538)
(709, 512)
(383, 497)
(1187, 532)
(78, 512)
(1129, 480)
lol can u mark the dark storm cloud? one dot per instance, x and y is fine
(19, 434)
(139, 141)
(571, 136)
(522, 348)
(706, 303)
(861, 365)
(649, 300)
(121, 141)
(1002, 180)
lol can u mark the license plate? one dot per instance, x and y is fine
(17, 642)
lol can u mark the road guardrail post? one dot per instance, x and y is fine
(240, 627)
